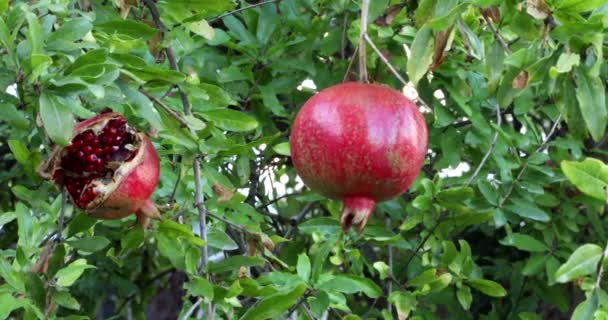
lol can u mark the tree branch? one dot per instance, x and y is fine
(241, 9)
(196, 163)
(362, 52)
(497, 35)
(165, 107)
(490, 149)
(525, 165)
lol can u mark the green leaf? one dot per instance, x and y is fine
(199, 286)
(268, 22)
(303, 267)
(324, 225)
(421, 54)
(132, 240)
(66, 300)
(230, 120)
(488, 287)
(529, 210)
(220, 240)
(524, 242)
(282, 149)
(590, 176)
(382, 268)
(582, 261)
(57, 119)
(69, 32)
(273, 306)
(455, 194)
(9, 304)
(21, 153)
(586, 309)
(566, 61)
(13, 117)
(35, 33)
(89, 244)
(577, 6)
(591, 96)
(69, 274)
(351, 284)
(234, 263)
(269, 98)
(130, 28)
(202, 28)
(464, 297)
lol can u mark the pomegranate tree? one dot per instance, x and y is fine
(109, 169)
(361, 143)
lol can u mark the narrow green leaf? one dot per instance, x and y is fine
(488, 287)
(569, 6)
(303, 267)
(68, 275)
(421, 54)
(220, 240)
(590, 176)
(57, 119)
(34, 33)
(282, 149)
(131, 28)
(273, 306)
(21, 153)
(464, 297)
(230, 120)
(591, 96)
(234, 263)
(524, 242)
(323, 225)
(202, 28)
(528, 210)
(351, 284)
(89, 244)
(582, 261)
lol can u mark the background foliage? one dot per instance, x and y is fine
(514, 97)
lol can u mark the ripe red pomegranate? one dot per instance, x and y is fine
(361, 143)
(109, 169)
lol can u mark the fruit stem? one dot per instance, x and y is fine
(146, 212)
(362, 42)
(356, 212)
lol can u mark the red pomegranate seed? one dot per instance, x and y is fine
(98, 151)
(87, 149)
(88, 136)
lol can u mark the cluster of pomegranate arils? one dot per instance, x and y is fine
(90, 156)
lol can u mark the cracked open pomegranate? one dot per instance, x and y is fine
(109, 169)
(361, 143)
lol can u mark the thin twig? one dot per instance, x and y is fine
(192, 308)
(362, 52)
(343, 41)
(241, 9)
(385, 60)
(350, 64)
(64, 197)
(497, 35)
(165, 107)
(600, 273)
(392, 68)
(196, 163)
(490, 149)
(300, 301)
(426, 238)
(525, 165)
(389, 286)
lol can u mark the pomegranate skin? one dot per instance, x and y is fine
(135, 189)
(361, 143)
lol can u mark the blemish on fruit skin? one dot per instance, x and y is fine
(359, 139)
